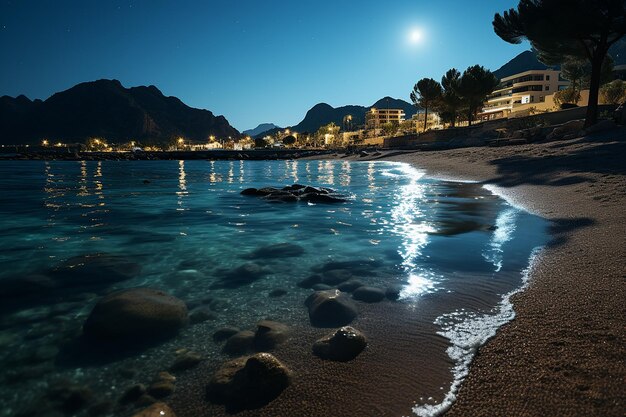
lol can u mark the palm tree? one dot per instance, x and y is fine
(563, 29)
(425, 93)
(473, 87)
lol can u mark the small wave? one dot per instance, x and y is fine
(467, 332)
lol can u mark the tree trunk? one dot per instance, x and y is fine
(425, 117)
(594, 86)
(469, 116)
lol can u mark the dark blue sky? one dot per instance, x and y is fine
(251, 60)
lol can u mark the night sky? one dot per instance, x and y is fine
(253, 61)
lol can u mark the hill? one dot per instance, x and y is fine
(260, 129)
(104, 108)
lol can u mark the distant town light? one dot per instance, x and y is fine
(45, 142)
(181, 140)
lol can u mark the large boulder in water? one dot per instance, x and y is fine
(330, 308)
(249, 382)
(343, 345)
(137, 314)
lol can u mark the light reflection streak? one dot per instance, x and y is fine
(213, 177)
(505, 228)
(292, 168)
(409, 222)
(231, 172)
(182, 185)
(83, 191)
(346, 173)
(370, 175)
(326, 172)
(241, 171)
(98, 181)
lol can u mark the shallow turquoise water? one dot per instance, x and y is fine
(189, 226)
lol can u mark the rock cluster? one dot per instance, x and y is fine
(296, 192)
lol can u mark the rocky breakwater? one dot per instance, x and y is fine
(297, 193)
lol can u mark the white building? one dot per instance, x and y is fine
(521, 91)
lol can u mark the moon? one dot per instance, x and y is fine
(415, 36)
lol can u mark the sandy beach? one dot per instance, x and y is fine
(564, 352)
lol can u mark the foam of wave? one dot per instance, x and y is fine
(467, 332)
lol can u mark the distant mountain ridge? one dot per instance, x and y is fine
(104, 108)
(260, 129)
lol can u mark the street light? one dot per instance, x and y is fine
(44, 142)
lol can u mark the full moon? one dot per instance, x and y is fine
(415, 36)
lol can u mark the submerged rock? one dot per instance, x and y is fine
(368, 294)
(239, 343)
(136, 314)
(350, 285)
(330, 308)
(343, 345)
(279, 250)
(186, 360)
(161, 389)
(240, 276)
(269, 334)
(336, 276)
(224, 333)
(249, 382)
(310, 281)
(393, 292)
(94, 269)
(321, 287)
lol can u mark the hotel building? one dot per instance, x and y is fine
(521, 91)
(376, 118)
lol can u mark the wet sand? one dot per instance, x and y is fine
(564, 352)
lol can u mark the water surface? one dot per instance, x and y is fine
(456, 249)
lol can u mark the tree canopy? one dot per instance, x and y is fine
(563, 29)
(450, 102)
(425, 93)
(473, 87)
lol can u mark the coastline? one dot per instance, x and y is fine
(563, 353)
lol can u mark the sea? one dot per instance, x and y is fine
(454, 251)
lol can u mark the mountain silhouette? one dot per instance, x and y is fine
(260, 129)
(106, 109)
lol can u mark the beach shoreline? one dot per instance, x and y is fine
(563, 353)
